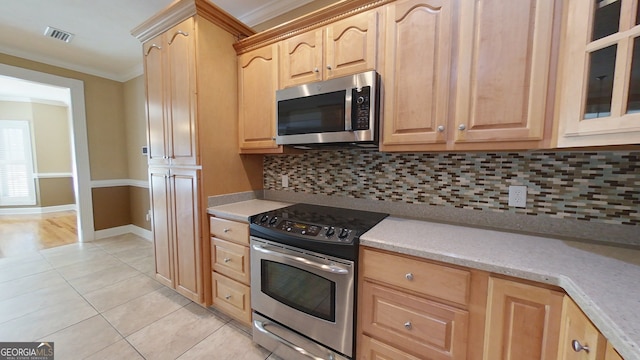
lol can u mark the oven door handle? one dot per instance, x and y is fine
(261, 327)
(331, 268)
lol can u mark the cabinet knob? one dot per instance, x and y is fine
(461, 127)
(407, 325)
(227, 297)
(577, 347)
(316, 70)
(226, 230)
(328, 67)
(226, 260)
(409, 276)
(441, 128)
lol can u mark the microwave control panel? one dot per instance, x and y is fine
(360, 108)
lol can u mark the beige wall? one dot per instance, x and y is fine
(135, 127)
(104, 103)
(52, 148)
(53, 138)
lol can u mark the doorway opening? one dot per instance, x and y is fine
(78, 137)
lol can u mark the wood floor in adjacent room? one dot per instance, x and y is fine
(26, 233)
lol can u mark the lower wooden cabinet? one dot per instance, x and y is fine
(230, 282)
(414, 309)
(411, 308)
(523, 321)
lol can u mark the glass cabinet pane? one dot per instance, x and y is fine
(606, 19)
(600, 82)
(633, 101)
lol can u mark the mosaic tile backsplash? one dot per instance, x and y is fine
(591, 186)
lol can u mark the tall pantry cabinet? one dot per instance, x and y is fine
(191, 89)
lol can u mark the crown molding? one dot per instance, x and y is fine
(271, 10)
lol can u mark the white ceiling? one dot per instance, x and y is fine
(103, 45)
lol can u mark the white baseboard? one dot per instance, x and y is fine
(37, 210)
(121, 230)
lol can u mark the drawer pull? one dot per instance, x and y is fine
(577, 347)
(408, 325)
(226, 260)
(227, 297)
(409, 276)
(226, 230)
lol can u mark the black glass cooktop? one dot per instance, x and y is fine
(324, 229)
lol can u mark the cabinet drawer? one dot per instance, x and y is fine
(232, 297)
(423, 277)
(230, 259)
(373, 349)
(413, 324)
(229, 230)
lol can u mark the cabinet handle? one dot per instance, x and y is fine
(461, 127)
(409, 276)
(577, 347)
(441, 128)
(226, 230)
(227, 297)
(328, 67)
(152, 47)
(226, 260)
(316, 70)
(179, 32)
(408, 325)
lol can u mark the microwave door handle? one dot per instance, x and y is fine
(261, 327)
(348, 101)
(333, 268)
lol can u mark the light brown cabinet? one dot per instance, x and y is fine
(579, 339)
(170, 82)
(504, 62)
(230, 266)
(176, 231)
(191, 85)
(523, 321)
(416, 83)
(599, 97)
(410, 308)
(344, 47)
(257, 85)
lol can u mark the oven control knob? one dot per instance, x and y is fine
(273, 220)
(343, 233)
(330, 232)
(264, 218)
(303, 232)
(288, 229)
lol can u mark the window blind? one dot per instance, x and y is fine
(17, 186)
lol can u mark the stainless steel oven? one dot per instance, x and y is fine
(303, 279)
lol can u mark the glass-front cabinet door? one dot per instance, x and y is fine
(599, 100)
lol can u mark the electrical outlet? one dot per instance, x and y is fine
(285, 180)
(518, 196)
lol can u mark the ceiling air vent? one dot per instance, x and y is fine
(58, 34)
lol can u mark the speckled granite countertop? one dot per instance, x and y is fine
(241, 211)
(603, 280)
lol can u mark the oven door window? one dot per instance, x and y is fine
(312, 114)
(299, 289)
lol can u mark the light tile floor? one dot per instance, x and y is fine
(99, 300)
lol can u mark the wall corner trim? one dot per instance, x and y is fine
(119, 182)
(125, 229)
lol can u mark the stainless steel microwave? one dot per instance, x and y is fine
(341, 110)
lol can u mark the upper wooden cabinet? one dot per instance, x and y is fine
(171, 108)
(599, 100)
(419, 37)
(345, 47)
(257, 85)
(503, 62)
